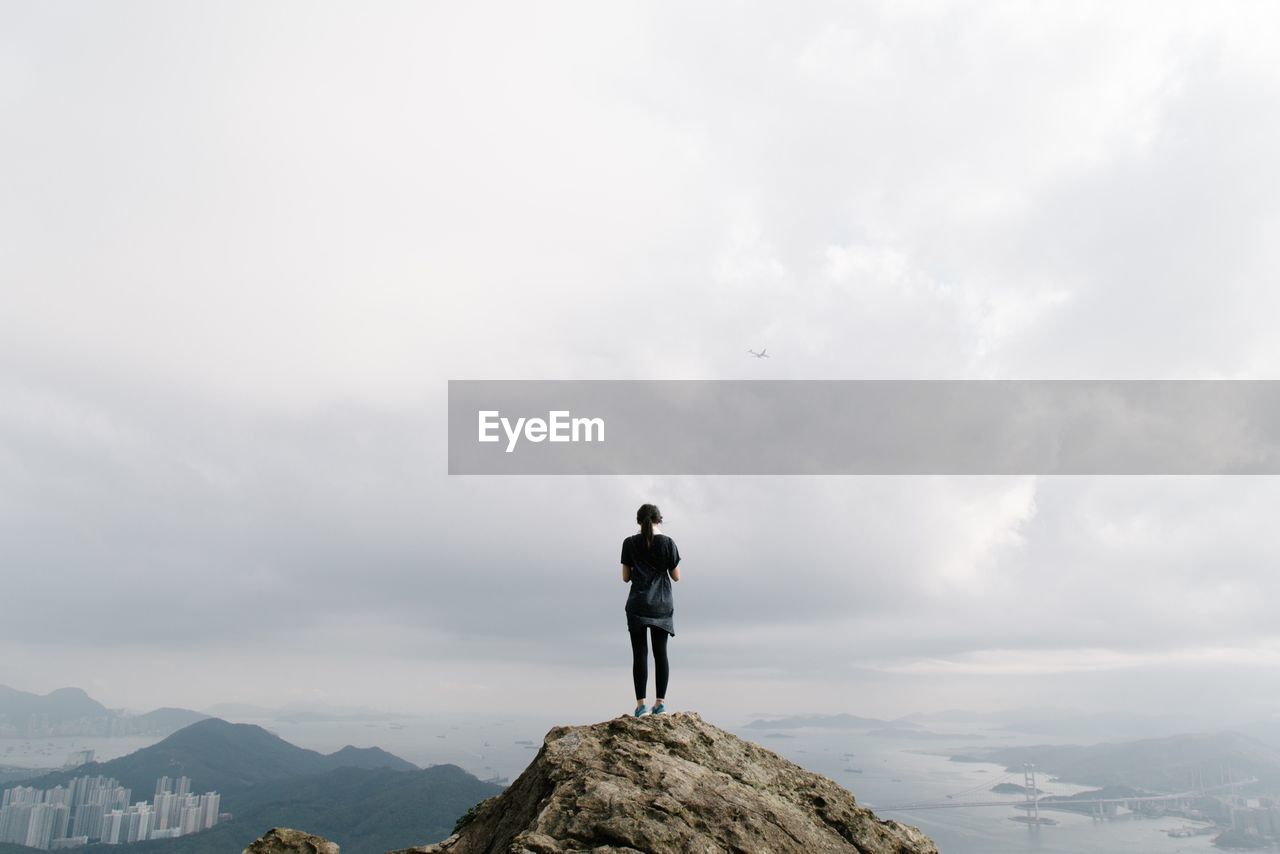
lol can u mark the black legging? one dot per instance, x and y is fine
(640, 659)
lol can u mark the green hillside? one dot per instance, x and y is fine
(367, 811)
(367, 757)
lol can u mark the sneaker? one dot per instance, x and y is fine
(640, 710)
(659, 709)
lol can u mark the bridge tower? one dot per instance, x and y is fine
(1033, 795)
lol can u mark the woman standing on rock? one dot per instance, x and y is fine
(650, 562)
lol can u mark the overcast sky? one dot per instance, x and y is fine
(245, 246)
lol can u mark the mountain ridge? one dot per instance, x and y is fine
(221, 756)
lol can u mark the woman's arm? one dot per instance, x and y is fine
(675, 573)
(626, 573)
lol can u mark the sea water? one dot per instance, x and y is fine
(897, 771)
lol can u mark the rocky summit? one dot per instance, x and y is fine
(670, 783)
(286, 840)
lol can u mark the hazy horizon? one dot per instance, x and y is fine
(1177, 720)
(249, 245)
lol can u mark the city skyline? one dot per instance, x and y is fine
(98, 808)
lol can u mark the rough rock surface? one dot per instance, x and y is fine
(670, 783)
(286, 840)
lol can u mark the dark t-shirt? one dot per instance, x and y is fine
(649, 603)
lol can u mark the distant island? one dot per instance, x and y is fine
(839, 721)
(72, 712)
(1014, 789)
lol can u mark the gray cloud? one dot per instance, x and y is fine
(247, 247)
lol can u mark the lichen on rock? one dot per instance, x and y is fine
(286, 840)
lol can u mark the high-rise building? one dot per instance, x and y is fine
(165, 804)
(111, 826)
(140, 821)
(45, 823)
(15, 818)
(87, 820)
(192, 816)
(211, 801)
(20, 795)
(170, 799)
(76, 758)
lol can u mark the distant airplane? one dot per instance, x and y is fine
(763, 354)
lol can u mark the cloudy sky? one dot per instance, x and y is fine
(245, 246)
